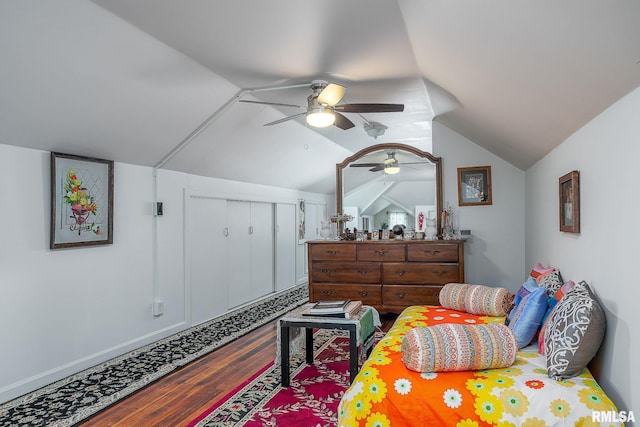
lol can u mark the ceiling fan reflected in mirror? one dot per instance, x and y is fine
(323, 110)
(390, 165)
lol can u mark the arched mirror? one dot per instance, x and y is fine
(388, 184)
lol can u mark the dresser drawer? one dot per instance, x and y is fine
(332, 252)
(346, 272)
(368, 294)
(404, 273)
(381, 252)
(432, 252)
(396, 295)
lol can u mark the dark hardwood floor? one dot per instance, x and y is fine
(182, 395)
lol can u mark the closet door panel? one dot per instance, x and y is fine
(238, 255)
(285, 246)
(262, 249)
(207, 248)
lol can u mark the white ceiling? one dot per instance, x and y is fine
(131, 79)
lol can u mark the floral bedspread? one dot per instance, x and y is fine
(386, 393)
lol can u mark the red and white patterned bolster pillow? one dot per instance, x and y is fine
(476, 299)
(458, 347)
(452, 296)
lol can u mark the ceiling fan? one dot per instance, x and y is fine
(323, 110)
(390, 165)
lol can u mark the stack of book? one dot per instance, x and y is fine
(345, 309)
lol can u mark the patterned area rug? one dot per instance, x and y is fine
(75, 398)
(312, 399)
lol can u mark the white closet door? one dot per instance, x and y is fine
(285, 246)
(262, 249)
(207, 249)
(239, 250)
(311, 225)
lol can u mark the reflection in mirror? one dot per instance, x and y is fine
(389, 184)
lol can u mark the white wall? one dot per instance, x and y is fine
(606, 152)
(65, 310)
(495, 253)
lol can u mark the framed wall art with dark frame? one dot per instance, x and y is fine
(569, 203)
(474, 186)
(81, 201)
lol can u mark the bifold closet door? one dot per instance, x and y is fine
(239, 252)
(286, 242)
(262, 249)
(207, 249)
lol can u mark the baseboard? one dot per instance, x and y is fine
(42, 379)
(76, 367)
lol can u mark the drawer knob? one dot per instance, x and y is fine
(328, 292)
(381, 252)
(364, 272)
(363, 293)
(401, 294)
(333, 252)
(430, 252)
(400, 272)
(328, 271)
(438, 273)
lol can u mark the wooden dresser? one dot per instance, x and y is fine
(389, 275)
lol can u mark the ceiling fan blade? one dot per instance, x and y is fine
(376, 168)
(342, 122)
(285, 119)
(271, 103)
(332, 94)
(365, 165)
(369, 108)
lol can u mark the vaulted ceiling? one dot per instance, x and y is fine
(132, 79)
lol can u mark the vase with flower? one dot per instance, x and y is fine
(82, 204)
(339, 219)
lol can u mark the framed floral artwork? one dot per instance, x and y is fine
(474, 186)
(301, 221)
(81, 201)
(569, 190)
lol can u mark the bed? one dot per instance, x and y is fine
(386, 393)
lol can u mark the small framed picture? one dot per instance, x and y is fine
(375, 235)
(474, 186)
(360, 235)
(81, 201)
(409, 235)
(385, 234)
(569, 191)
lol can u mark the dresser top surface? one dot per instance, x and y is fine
(386, 242)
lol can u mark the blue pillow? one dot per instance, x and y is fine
(524, 290)
(526, 317)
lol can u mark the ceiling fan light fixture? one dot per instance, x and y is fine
(391, 169)
(320, 117)
(374, 129)
(391, 164)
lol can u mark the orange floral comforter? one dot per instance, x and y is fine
(386, 394)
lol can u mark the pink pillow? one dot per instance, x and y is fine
(538, 272)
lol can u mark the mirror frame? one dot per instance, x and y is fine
(437, 161)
